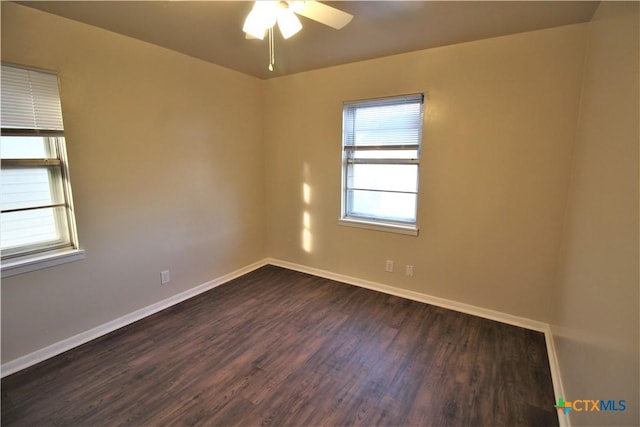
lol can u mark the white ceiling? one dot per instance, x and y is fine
(212, 30)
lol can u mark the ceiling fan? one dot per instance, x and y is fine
(266, 13)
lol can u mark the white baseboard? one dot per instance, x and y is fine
(417, 296)
(485, 313)
(558, 388)
(84, 337)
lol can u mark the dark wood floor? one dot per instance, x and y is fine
(277, 347)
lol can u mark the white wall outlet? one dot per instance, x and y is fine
(389, 266)
(408, 270)
(164, 277)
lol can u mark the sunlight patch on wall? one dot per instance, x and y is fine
(306, 240)
(306, 193)
(306, 220)
(306, 235)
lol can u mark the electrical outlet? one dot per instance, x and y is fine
(389, 266)
(164, 277)
(408, 270)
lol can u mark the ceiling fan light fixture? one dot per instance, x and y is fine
(288, 23)
(262, 17)
(253, 26)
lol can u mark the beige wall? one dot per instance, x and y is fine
(166, 174)
(595, 322)
(500, 117)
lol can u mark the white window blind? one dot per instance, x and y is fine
(381, 152)
(393, 121)
(30, 100)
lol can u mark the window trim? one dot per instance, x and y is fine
(27, 263)
(378, 225)
(373, 223)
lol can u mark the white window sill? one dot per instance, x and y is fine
(409, 230)
(31, 263)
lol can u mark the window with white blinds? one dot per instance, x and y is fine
(35, 192)
(381, 157)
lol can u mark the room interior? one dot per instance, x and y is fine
(213, 167)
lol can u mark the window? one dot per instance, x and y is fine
(36, 222)
(381, 155)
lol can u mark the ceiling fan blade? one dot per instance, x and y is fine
(323, 13)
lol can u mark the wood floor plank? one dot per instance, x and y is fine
(277, 347)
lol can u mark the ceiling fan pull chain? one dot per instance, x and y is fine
(272, 50)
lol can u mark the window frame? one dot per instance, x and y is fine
(381, 223)
(65, 222)
(34, 256)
